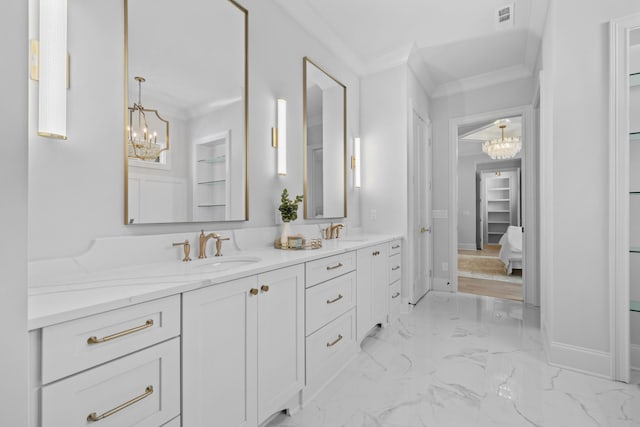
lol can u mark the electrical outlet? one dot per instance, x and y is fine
(374, 214)
(445, 266)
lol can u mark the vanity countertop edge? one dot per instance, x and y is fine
(60, 304)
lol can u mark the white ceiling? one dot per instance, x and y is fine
(454, 40)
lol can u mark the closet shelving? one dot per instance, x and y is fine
(498, 197)
(211, 176)
(634, 195)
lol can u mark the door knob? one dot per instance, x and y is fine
(424, 230)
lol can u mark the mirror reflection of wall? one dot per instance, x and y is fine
(325, 144)
(200, 89)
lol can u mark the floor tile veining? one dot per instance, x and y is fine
(464, 360)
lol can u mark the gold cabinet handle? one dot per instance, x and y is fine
(331, 344)
(253, 291)
(424, 230)
(396, 295)
(265, 288)
(95, 417)
(376, 253)
(397, 267)
(395, 247)
(338, 298)
(95, 340)
(338, 265)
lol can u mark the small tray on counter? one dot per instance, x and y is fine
(307, 244)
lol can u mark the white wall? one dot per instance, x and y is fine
(499, 97)
(76, 186)
(575, 64)
(13, 213)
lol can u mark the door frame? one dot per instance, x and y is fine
(530, 282)
(619, 215)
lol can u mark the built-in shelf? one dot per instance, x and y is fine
(635, 306)
(211, 205)
(218, 181)
(498, 200)
(635, 193)
(634, 136)
(634, 79)
(499, 188)
(493, 211)
(495, 232)
(635, 249)
(219, 159)
(499, 222)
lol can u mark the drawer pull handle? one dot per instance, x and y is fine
(376, 253)
(253, 291)
(397, 267)
(264, 288)
(338, 265)
(331, 344)
(395, 247)
(396, 295)
(338, 298)
(95, 340)
(95, 417)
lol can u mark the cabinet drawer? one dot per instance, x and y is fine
(142, 389)
(395, 299)
(321, 270)
(80, 344)
(329, 348)
(395, 247)
(329, 300)
(395, 268)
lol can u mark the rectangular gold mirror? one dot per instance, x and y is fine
(325, 143)
(185, 111)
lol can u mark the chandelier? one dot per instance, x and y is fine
(142, 141)
(503, 148)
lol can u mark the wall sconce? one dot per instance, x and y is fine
(355, 162)
(279, 136)
(52, 69)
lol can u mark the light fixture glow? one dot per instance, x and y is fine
(281, 136)
(142, 139)
(355, 162)
(52, 90)
(503, 148)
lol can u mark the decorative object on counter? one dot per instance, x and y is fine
(203, 243)
(289, 212)
(142, 142)
(304, 244)
(187, 250)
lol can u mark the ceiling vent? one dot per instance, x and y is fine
(504, 17)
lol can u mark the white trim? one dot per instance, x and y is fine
(526, 112)
(619, 195)
(467, 246)
(580, 359)
(503, 75)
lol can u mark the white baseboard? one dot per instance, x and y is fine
(467, 246)
(635, 357)
(441, 284)
(580, 359)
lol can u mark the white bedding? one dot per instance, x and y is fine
(511, 250)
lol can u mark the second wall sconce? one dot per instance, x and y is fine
(279, 136)
(355, 162)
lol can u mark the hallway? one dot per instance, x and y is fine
(465, 360)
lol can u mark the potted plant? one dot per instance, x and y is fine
(289, 212)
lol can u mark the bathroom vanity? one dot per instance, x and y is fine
(227, 341)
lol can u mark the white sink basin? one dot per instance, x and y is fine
(222, 263)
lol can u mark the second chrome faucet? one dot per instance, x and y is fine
(204, 238)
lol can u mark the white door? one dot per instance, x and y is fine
(424, 189)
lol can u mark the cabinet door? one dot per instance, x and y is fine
(280, 338)
(219, 355)
(372, 283)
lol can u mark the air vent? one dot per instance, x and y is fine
(504, 17)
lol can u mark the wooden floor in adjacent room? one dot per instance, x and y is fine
(483, 273)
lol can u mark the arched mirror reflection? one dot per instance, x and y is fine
(186, 111)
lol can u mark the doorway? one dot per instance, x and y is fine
(491, 220)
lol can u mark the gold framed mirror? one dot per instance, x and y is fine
(325, 143)
(186, 111)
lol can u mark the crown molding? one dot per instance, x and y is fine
(493, 78)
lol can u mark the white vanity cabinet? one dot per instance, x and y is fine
(372, 288)
(395, 280)
(243, 348)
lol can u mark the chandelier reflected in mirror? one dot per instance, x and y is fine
(143, 129)
(503, 148)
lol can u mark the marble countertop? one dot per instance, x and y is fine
(89, 291)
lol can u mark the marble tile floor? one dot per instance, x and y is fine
(464, 360)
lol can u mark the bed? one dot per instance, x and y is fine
(511, 250)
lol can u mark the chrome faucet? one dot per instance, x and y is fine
(333, 231)
(203, 243)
